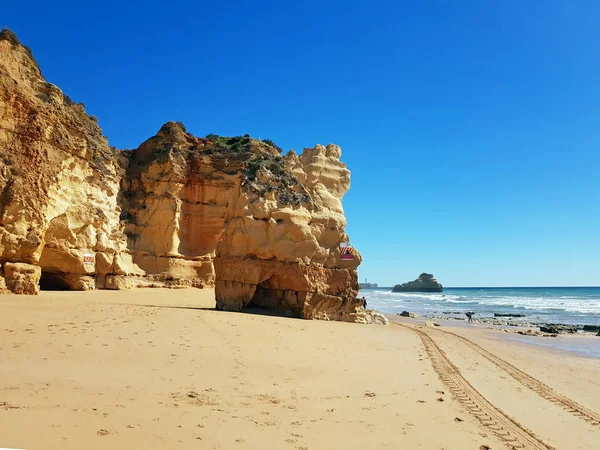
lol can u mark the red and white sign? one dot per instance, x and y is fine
(346, 251)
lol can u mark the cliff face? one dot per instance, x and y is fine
(58, 180)
(425, 283)
(280, 245)
(232, 213)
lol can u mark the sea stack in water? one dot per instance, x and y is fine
(425, 283)
(261, 228)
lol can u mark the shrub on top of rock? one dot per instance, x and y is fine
(10, 36)
(273, 144)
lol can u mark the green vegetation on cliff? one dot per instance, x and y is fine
(7, 34)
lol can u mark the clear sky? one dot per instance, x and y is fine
(472, 128)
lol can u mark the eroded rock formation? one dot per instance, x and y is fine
(232, 213)
(59, 180)
(280, 246)
(425, 283)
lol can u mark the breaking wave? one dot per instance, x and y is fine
(561, 305)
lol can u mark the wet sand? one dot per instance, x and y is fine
(160, 369)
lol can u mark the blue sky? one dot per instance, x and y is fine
(472, 128)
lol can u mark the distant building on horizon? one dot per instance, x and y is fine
(367, 285)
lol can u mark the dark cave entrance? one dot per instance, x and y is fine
(53, 281)
(276, 301)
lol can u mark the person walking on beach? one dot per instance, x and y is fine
(364, 303)
(470, 315)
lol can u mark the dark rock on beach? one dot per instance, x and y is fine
(425, 283)
(529, 332)
(408, 314)
(549, 329)
(555, 328)
(508, 315)
(592, 328)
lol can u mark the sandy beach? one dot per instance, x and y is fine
(161, 369)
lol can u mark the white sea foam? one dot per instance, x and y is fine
(560, 304)
(535, 303)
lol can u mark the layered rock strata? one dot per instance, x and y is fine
(59, 180)
(232, 213)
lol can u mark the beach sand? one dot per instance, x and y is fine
(160, 369)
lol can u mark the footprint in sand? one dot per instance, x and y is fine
(8, 406)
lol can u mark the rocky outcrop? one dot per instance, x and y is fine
(508, 315)
(557, 328)
(233, 213)
(425, 283)
(280, 245)
(59, 180)
(264, 229)
(22, 278)
(409, 314)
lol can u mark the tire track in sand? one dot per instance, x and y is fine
(512, 433)
(537, 386)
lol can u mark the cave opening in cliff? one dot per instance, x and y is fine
(53, 281)
(274, 300)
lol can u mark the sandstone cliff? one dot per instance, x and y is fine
(232, 213)
(59, 180)
(425, 283)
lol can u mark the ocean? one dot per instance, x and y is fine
(566, 305)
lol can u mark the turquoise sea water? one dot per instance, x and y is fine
(568, 305)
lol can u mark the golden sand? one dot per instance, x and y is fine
(160, 369)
